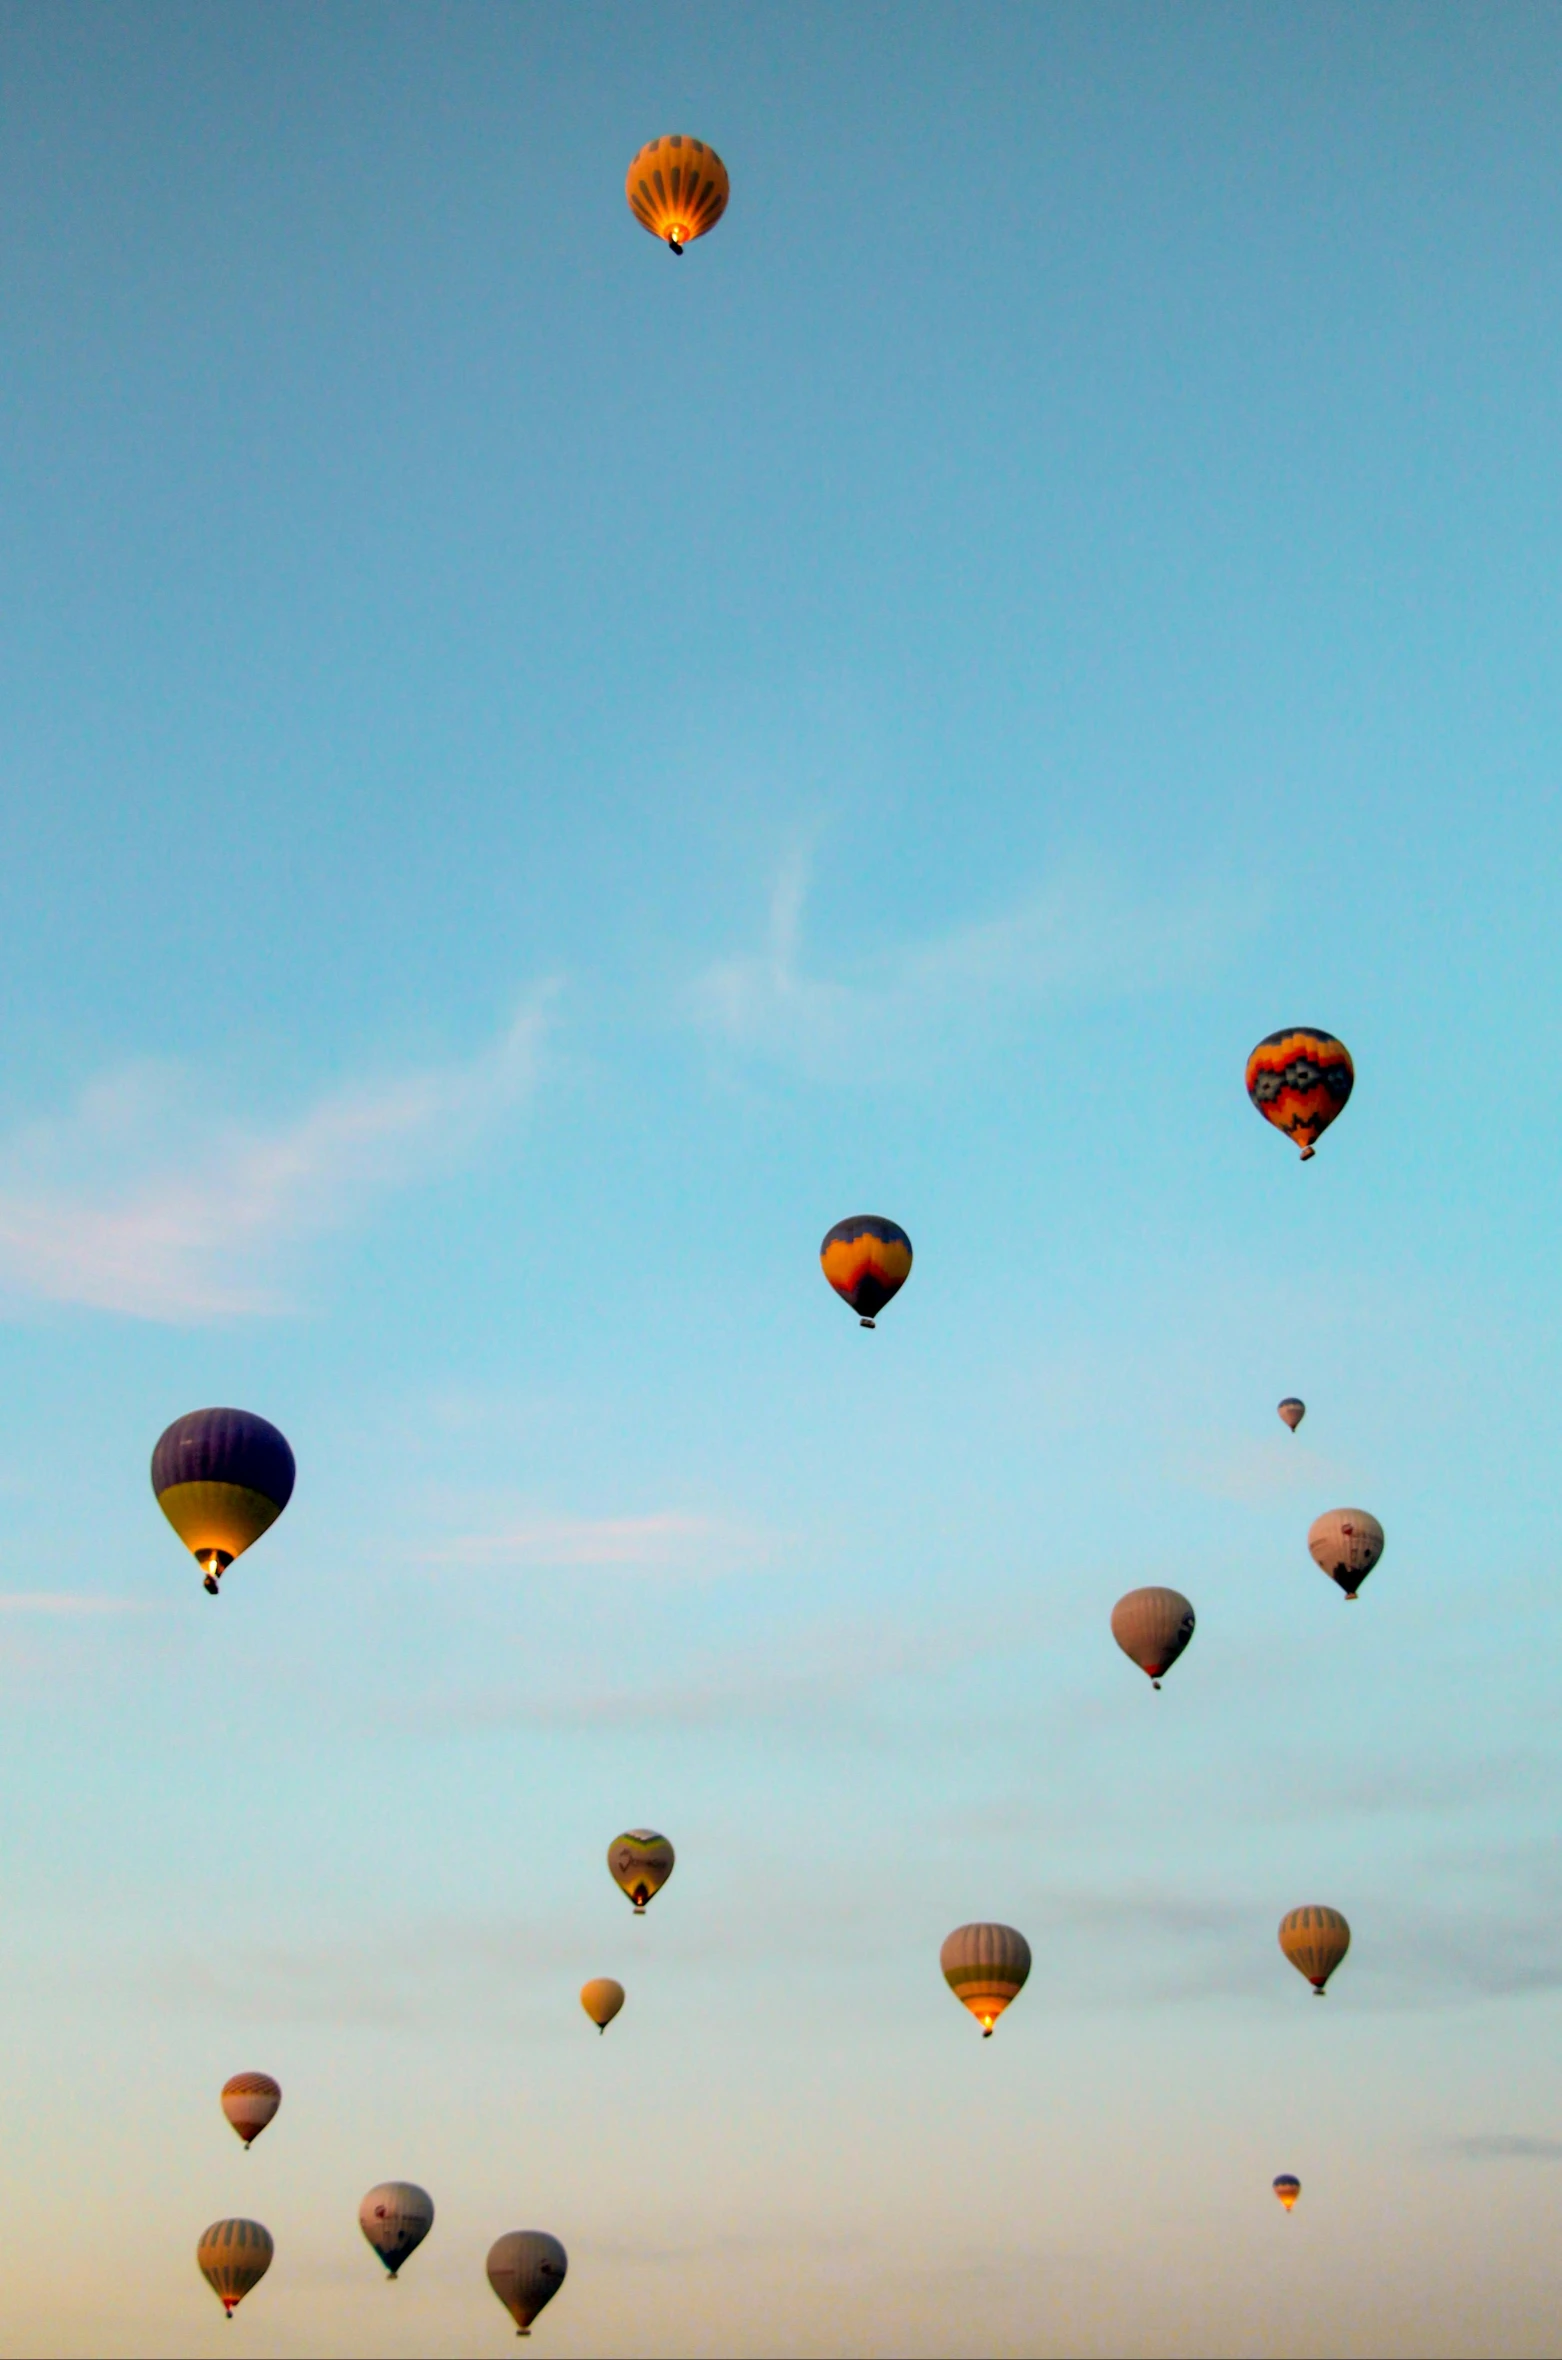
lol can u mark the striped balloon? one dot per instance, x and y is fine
(1299, 1080)
(640, 1864)
(249, 2100)
(677, 188)
(1347, 1543)
(234, 2256)
(395, 2217)
(867, 1260)
(526, 2270)
(222, 1478)
(1152, 1627)
(1288, 2187)
(1315, 1940)
(985, 1967)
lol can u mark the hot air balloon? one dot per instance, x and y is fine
(395, 2218)
(1315, 1940)
(526, 2268)
(222, 1477)
(985, 1967)
(867, 1260)
(1291, 1412)
(640, 1864)
(234, 2256)
(677, 188)
(249, 2101)
(1299, 1080)
(602, 1998)
(1153, 1627)
(1288, 2187)
(1347, 1543)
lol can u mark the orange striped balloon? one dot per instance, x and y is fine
(677, 189)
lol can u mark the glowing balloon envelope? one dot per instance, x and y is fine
(677, 189)
(526, 2268)
(395, 2218)
(1152, 1627)
(1288, 2187)
(222, 1478)
(867, 1260)
(1315, 1940)
(985, 1967)
(1291, 1412)
(249, 2100)
(1347, 1543)
(1299, 1080)
(234, 2256)
(602, 1998)
(640, 1864)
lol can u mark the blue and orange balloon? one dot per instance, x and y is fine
(1288, 2187)
(867, 1260)
(1299, 1080)
(222, 1478)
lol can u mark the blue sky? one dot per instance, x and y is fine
(538, 777)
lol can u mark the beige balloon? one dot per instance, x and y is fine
(526, 2268)
(1314, 1939)
(602, 1998)
(1152, 1627)
(249, 2100)
(233, 2256)
(985, 1966)
(1347, 1543)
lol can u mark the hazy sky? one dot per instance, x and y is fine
(539, 776)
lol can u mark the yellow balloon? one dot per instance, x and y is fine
(677, 189)
(602, 1998)
(1315, 1940)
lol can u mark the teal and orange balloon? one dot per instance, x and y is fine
(222, 1478)
(867, 1260)
(1299, 1080)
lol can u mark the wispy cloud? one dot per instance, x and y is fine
(70, 1602)
(662, 1542)
(1492, 2146)
(95, 1210)
(1081, 933)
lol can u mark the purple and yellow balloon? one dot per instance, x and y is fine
(222, 1478)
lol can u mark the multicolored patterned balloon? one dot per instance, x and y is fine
(1299, 1080)
(222, 1478)
(985, 1966)
(640, 1863)
(867, 1260)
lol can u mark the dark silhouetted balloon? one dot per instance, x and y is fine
(1299, 1080)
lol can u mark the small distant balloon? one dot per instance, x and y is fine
(233, 2257)
(222, 1478)
(1347, 1543)
(640, 1864)
(602, 1998)
(396, 2217)
(677, 189)
(1291, 1411)
(1315, 1940)
(985, 1966)
(526, 2268)
(249, 2100)
(1299, 1080)
(1152, 1627)
(867, 1260)
(1288, 2187)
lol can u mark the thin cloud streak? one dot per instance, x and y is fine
(68, 1602)
(662, 1542)
(197, 1238)
(1083, 933)
(1495, 2146)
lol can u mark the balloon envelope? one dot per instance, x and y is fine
(1152, 1627)
(640, 1864)
(1299, 1080)
(602, 1998)
(396, 2217)
(526, 2268)
(249, 2101)
(1291, 1411)
(1314, 1939)
(677, 188)
(1288, 2188)
(1347, 1543)
(867, 1260)
(233, 2257)
(985, 1966)
(222, 1478)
